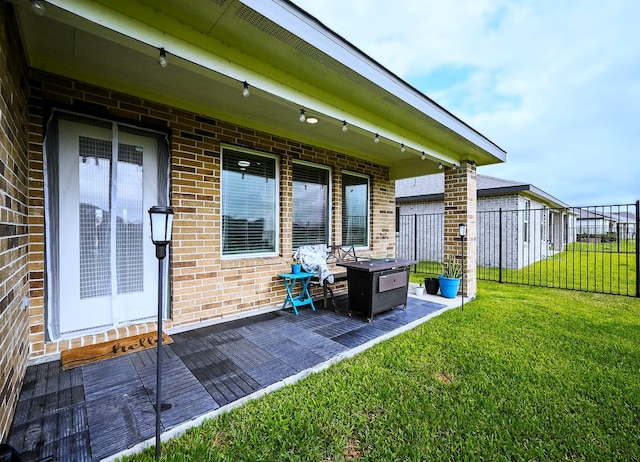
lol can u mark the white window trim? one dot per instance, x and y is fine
(526, 236)
(253, 152)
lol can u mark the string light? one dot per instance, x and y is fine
(162, 59)
(377, 138)
(302, 117)
(402, 148)
(423, 157)
(38, 7)
(245, 90)
(439, 165)
(344, 126)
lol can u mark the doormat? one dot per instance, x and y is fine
(99, 351)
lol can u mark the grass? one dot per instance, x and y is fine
(608, 268)
(523, 373)
(591, 267)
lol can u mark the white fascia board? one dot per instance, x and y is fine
(300, 24)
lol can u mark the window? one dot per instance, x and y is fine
(249, 203)
(355, 210)
(310, 205)
(527, 209)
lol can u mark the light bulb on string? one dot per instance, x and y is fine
(162, 59)
(344, 126)
(377, 139)
(302, 117)
(38, 7)
(245, 90)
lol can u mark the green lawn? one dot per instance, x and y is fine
(608, 268)
(587, 267)
(523, 373)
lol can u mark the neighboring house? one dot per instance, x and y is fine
(626, 223)
(534, 224)
(592, 223)
(262, 128)
(605, 223)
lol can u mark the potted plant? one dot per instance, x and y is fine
(450, 278)
(296, 266)
(432, 285)
(419, 290)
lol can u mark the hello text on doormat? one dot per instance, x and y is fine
(122, 346)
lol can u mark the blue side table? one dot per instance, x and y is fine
(304, 298)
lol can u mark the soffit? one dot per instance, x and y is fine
(214, 45)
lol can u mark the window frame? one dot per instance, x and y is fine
(526, 228)
(368, 202)
(276, 209)
(329, 210)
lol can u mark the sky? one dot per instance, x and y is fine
(555, 83)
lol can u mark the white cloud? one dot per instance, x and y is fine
(555, 83)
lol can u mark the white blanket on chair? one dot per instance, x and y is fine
(313, 259)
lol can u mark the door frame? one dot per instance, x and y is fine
(52, 207)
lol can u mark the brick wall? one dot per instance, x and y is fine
(460, 206)
(14, 323)
(204, 287)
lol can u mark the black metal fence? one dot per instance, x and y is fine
(592, 249)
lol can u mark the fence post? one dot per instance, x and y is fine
(637, 251)
(500, 245)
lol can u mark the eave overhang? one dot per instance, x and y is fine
(290, 60)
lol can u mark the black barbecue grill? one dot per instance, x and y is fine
(377, 285)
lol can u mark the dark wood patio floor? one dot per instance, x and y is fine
(97, 410)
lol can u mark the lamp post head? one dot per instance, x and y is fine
(161, 227)
(462, 227)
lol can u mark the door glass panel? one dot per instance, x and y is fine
(94, 166)
(103, 263)
(129, 244)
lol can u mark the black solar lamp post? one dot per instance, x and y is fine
(161, 225)
(462, 228)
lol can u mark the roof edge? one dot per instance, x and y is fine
(384, 78)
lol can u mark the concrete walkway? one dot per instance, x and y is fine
(103, 410)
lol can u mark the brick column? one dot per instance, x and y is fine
(460, 204)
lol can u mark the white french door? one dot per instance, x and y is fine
(107, 181)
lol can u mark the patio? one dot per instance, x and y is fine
(99, 411)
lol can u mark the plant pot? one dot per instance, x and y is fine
(419, 290)
(449, 287)
(295, 268)
(432, 285)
